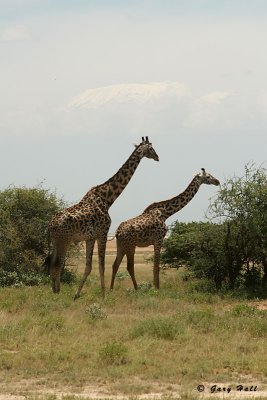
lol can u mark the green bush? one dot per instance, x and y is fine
(18, 278)
(24, 217)
(198, 246)
(114, 353)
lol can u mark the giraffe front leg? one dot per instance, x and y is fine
(157, 247)
(88, 267)
(101, 244)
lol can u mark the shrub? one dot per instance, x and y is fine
(24, 217)
(18, 278)
(198, 246)
(113, 353)
(96, 312)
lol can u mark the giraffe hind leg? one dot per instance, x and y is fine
(156, 267)
(101, 244)
(55, 272)
(130, 268)
(56, 266)
(88, 268)
(116, 265)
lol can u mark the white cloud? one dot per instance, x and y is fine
(125, 93)
(14, 33)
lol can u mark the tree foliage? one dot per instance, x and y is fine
(198, 246)
(24, 217)
(242, 202)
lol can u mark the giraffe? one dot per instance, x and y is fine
(149, 228)
(89, 220)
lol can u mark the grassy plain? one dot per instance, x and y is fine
(147, 343)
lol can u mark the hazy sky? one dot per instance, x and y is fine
(81, 81)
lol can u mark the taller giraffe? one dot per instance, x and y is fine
(150, 228)
(89, 219)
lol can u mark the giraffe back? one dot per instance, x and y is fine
(80, 222)
(143, 230)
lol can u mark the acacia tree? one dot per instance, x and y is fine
(242, 204)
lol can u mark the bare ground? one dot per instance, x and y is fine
(28, 389)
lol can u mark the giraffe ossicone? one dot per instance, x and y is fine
(89, 220)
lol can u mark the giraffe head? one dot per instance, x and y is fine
(145, 149)
(208, 179)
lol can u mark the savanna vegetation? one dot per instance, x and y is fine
(167, 341)
(207, 325)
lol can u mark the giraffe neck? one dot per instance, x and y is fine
(175, 204)
(110, 190)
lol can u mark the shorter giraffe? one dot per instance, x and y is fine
(89, 219)
(149, 228)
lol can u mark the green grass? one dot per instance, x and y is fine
(130, 342)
